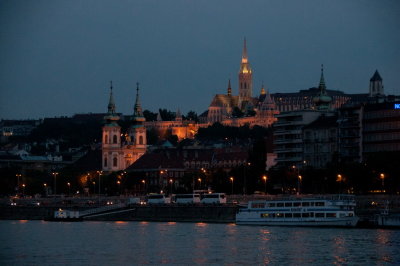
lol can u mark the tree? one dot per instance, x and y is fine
(167, 115)
(237, 112)
(192, 115)
(149, 116)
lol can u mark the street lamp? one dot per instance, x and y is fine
(382, 177)
(23, 190)
(119, 186)
(170, 183)
(298, 184)
(69, 188)
(199, 182)
(100, 173)
(265, 183)
(144, 185)
(55, 182)
(244, 178)
(340, 180)
(18, 176)
(231, 179)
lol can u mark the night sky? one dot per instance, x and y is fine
(57, 57)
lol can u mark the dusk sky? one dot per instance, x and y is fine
(57, 57)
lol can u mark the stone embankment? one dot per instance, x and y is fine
(39, 209)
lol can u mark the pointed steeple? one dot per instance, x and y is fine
(245, 76)
(229, 88)
(137, 111)
(322, 86)
(376, 85)
(178, 116)
(262, 89)
(376, 76)
(322, 101)
(244, 54)
(111, 103)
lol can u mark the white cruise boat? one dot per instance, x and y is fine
(331, 211)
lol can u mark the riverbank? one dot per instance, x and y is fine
(39, 209)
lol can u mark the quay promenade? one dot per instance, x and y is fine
(43, 208)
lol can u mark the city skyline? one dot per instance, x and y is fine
(57, 58)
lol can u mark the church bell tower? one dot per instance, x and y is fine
(111, 140)
(137, 131)
(245, 76)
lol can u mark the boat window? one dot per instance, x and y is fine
(311, 214)
(257, 205)
(319, 215)
(311, 203)
(296, 204)
(288, 215)
(279, 215)
(306, 204)
(341, 215)
(265, 215)
(320, 203)
(272, 204)
(296, 215)
(280, 204)
(305, 215)
(331, 215)
(288, 204)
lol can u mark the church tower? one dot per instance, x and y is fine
(375, 85)
(137, 131)
(111, 140)
(322, 101)
(245, 76)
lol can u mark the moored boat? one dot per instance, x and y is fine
(387, 219)
(65, 216)
(331, 211)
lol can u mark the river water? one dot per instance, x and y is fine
(154, 243)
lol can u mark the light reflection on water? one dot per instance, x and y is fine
(129, 243)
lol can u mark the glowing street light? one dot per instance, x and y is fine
(382, 177)
(23, 189)
(171, 181)
(265, 183)
(18, 176)
(199, 182)
(100, 173)
(144, 185)
(119, 186)
(298, 184)
(55, 182)
(69, 188)
(231, 179)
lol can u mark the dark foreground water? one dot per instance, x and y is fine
(136, 243)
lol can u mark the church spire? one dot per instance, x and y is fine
(229, 88)
(245, 75)
(262, 89)
(322, 101)
(244, 54)
(111, 103)
(137, 111)
(322, 86)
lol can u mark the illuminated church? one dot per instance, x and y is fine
(121, 149)
(238, 110)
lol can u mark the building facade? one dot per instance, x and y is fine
(121, 149)
(381, 127)
(320, 141)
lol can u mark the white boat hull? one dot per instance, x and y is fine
(336, 222)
